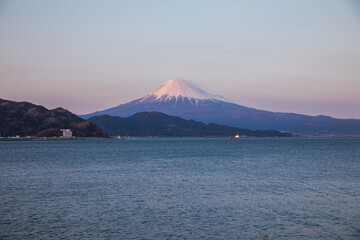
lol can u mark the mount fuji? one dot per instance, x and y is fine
(180, 98)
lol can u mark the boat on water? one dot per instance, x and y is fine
(120, 138)
(237, 136)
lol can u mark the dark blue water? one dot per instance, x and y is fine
(180, 189)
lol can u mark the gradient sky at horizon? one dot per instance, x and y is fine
(287, 56)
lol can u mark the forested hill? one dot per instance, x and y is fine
(27, 119)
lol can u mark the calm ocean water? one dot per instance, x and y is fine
(180, 189)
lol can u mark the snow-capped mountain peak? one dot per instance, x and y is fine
(179, 88)
(182, 99)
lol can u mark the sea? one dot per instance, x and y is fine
(181, 188)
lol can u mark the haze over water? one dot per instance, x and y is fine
(180, 189)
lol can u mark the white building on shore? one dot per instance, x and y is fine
(67, 133)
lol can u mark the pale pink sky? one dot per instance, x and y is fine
(289, 56)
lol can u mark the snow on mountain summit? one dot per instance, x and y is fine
(179, 88)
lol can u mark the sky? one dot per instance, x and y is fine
(283, 55)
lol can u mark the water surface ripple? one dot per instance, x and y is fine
(180, 189)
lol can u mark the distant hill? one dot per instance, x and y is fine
(27, 119)
(182, 99)
(161, 125)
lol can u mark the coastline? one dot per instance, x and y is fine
(12, 139)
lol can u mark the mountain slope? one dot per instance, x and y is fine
(161, 125)
(179, 98)
(27, 119)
